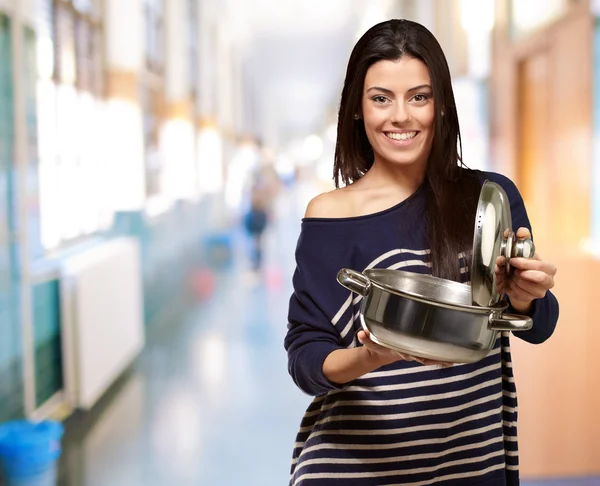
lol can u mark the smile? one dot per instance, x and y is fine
(400, 139)
(401, 136)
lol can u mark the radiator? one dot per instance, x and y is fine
(102, 318)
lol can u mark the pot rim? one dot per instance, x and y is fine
(501, 306)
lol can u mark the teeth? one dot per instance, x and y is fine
(401, 136)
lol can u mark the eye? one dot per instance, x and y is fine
(379, 99)
(420, 98)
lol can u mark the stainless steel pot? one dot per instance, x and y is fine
(426, 316)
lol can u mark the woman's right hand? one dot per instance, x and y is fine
(384, 355)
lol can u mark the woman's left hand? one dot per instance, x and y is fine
(530, 279)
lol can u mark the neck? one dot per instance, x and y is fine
(406, 178)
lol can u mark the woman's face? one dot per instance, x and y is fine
(398, 111)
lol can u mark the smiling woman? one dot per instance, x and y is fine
(408, 202)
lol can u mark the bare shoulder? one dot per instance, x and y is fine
(333, 204)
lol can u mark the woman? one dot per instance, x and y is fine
(380, 417)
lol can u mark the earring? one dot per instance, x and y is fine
(356, 116)
(442, 112)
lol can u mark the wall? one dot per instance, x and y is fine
(595, 180)
(545, 145)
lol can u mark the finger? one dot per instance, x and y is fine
(532, 277)
(428, 362)
(520, 295)
(533, 264)
(516, 292)
(536, 277)
(402, 356)
(500, 281)
(365, 339)
(537, 290)
(432, 362)
(523, 233)
(362, 336)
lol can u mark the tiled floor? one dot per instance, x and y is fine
(210, 401)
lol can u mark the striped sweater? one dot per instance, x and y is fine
(405, 423)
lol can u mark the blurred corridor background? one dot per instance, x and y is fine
(135, 135)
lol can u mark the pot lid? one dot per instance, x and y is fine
(493, 237)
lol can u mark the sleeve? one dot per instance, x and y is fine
(311, 334)
(545, 311)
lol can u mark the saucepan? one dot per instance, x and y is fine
(444, 320)
(428, 317)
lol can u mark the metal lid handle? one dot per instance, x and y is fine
(523, 248)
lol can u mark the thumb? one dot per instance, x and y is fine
(523, 233)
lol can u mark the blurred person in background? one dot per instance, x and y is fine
(255, 223)
(240, 175)
(263, 188)
(379, 416)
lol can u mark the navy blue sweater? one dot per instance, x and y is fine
(405, 423)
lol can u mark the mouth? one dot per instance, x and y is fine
(404, 137)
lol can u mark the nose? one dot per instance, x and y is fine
(401, 114)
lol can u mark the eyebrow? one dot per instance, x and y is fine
(390, 92)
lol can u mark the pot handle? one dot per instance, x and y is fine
(511, 322)
(354, 281)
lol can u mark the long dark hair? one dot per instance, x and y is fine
(451, 189)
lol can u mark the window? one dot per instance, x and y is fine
(73, 198)
(193, 46)
(64, 42)
(531, 15)
(154, 45)
(152, 122)
(152, 94)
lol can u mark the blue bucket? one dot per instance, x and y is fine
(29, 452)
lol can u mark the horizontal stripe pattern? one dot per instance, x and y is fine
(410, 424)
